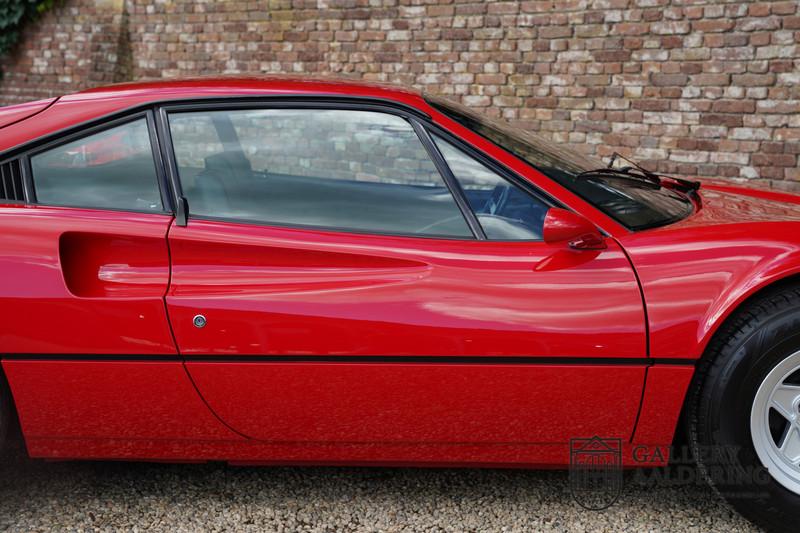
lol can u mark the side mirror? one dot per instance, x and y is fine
(562, 226)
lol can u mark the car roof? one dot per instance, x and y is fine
(93, 104)
(244, 86)
(15, 113)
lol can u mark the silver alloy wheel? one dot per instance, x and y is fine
(775, 423)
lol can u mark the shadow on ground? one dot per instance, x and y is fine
(38, 496)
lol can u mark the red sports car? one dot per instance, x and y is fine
(283, 271)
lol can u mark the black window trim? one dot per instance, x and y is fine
(161, 143)
(450, 180)
(493, 165)
(8, 201)
(154, 105)
(631, 229)
(147, 114)
(420, 122)
(310, 103)
(501, 170)
(263, 102)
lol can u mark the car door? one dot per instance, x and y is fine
(344, 277)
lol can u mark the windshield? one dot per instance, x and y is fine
(637, 204)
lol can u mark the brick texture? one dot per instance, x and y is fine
(70, 48)
(691, 87)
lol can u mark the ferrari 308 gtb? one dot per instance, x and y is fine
(289, 271)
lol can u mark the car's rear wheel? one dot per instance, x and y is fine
(744, 411)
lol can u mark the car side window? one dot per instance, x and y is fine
(337, 169)
(504, 211)
(112, 169)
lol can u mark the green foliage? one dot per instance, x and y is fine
(13, 16)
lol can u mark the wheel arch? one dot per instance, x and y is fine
(746, 298)
(716, 410)
(738, 298)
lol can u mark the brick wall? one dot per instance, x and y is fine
(693, 87)
(70, 48)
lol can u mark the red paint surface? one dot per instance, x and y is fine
(661, 405)
(114, 265)
(271, 291)
(561, 225)
(421, 403)
(696, 272)
(356, 454)
(124, 401)
(16, 113)
(78, 281)
(39, 313)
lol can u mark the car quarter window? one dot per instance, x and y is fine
(339, 169)
(504, 211)
(110, 169)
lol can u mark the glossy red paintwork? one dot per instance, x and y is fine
(119, 308)
(270, 291)
(273, 291)
(113, 265)
(420, 403)
(11, 114)
(134, 400)
(562, 226)
(696, 272)
(91, 282)
(660, 408)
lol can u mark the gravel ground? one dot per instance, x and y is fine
(93, 496)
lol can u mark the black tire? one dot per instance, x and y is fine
(742, 353)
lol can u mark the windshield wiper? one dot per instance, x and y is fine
(638, 173)
(684, 184)
(628, 173)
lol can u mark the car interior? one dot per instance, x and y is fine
(228, 187)
(129, 182)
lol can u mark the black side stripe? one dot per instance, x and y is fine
(398, 359)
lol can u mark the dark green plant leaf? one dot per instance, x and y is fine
(14, 14)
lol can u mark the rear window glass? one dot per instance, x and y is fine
(110, 169)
